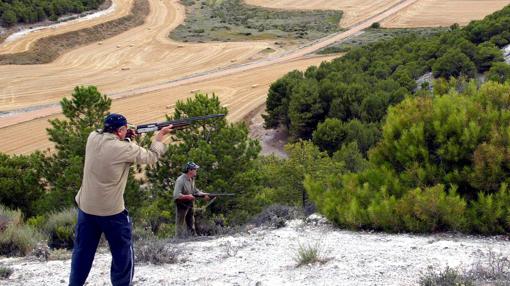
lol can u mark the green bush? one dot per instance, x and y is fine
(489, 213)
(432, 210)
(441, 165)
(37, 222)
(382, 213)
(60, 228)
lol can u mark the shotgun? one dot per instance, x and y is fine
(176, 124)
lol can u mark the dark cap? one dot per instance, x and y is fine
(190, 166)
(114, 121)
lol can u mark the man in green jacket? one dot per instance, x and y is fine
(184, 196)
(100, 200)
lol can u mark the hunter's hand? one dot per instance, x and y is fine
(207, 198)
(131, 134)
(164, 131)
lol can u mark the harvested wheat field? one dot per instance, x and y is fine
(142, 56)
(354, 10)
(435, 13)
(241, 93)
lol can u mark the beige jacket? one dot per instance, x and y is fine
(105, 174)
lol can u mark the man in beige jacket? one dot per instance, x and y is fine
(100, 200)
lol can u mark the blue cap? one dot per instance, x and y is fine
(114, 121)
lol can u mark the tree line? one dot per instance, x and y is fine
(32, 11)
(352, 94)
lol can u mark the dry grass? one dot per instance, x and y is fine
(156, 252)
(47, 49)
(493, 269)
(307, 254)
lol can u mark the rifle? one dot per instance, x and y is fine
(213, 195)
(176, 124)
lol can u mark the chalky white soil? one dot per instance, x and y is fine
(265, 256)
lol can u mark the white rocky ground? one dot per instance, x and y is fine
(264, 256)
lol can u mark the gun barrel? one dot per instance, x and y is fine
(217, 195)
(178, 123)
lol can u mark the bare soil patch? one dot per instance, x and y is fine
(272, 141)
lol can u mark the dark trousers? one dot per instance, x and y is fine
(184, 219)
(117, 230)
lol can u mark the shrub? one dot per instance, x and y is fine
(375, 25)
(156, 252)
(18, 240)
(309, 254)
(37, 222)
(494, 271)
(432, 209)
(489, 213)
(60, 228)
(275, 216)
(8, 216)
(447, 277)
(382, 213)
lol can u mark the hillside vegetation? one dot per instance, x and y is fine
(435, 155)
(232, 20)
(31, 11)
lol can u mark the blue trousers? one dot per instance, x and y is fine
(117, 230)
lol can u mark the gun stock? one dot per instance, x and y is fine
(177, 123)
